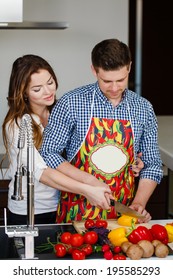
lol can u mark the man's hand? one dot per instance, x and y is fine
(138, 166)
(140, 209)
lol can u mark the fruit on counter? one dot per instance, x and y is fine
(60, 250)
(90, 237)
(87, 249)
(117, 249)
(108, 255)
(159, 232)
(66, 237)
(99, 223)
(102, 234)
(119, 257)
(112, 252)
(105, 247)
(169, 228)
(78, 255)
(117, 236)
(125, 220)
(140, 233)
(76, 240)
(89, 223)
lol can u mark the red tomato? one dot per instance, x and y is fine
(76, 239)
(117, 249)
(70, 250)
(101, 223)
(105, 248)
(89, 223)
(65, 237)
(90, 237)
(119, 257)
(87, 249)
(108, 255)
(60, 250)
(78, 254)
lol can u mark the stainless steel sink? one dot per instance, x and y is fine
(7, 246)
(14, 247)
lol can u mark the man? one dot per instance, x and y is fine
(102, 127)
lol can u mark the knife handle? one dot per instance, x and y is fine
(112, 203)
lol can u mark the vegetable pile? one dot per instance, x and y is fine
(134, 242)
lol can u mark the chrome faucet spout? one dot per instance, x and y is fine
(25, 130)
(28, 232)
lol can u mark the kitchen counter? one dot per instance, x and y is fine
(7, 244)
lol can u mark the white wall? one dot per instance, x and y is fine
(68, 51)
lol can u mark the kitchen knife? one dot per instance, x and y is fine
(123, 209)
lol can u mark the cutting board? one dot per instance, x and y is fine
(112, 224)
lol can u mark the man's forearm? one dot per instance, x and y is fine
(144, 191)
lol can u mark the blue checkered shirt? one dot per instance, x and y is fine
(69, 122)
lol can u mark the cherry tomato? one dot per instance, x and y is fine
(76, 239)
(119, 257)
(70, 249)
(89, 223)
(105, 248)
(117, 249)
(108, 255)
(60, 250)
(90, 237)
(101, 223)
(87, 249)
(78, 254)
(65, 237)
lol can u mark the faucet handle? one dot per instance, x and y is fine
(24, 171)
(17, 194)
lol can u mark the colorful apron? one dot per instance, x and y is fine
(107, 153)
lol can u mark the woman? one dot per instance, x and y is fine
(32, 90)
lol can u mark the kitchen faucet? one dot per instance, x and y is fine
(29, 231)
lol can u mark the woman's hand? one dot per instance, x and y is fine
(99, 196)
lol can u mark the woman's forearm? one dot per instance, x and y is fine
(97, 195)
(79, 175)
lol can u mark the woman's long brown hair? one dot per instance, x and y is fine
(22, 69)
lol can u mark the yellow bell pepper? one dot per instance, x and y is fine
(117, 236)
(169, 229)
(126, 220)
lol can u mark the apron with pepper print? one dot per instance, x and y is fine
(107, 153)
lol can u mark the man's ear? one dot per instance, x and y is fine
(93, 70)
(129, 67)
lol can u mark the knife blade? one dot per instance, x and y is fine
(123, 209)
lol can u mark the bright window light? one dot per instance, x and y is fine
(11, 10)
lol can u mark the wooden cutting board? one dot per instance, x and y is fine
(112, 224)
